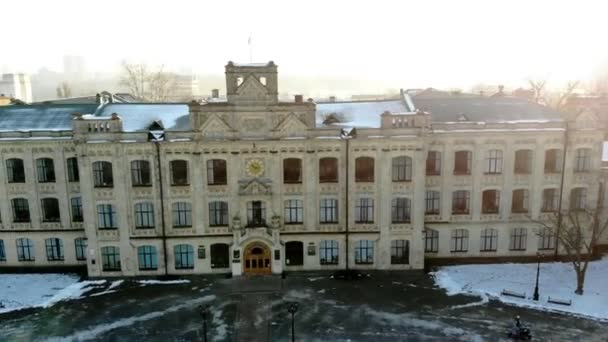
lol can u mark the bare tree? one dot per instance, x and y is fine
(146, 84)
(578, 233)
(539, 88)
(64, 90)
(559, 101)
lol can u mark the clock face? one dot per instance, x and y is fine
(254, 168)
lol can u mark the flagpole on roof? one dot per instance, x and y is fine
(250, 49)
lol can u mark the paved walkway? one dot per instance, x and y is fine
(254, 308)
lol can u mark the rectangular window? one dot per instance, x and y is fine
(546, 239)
(76, 203)
(578, 199)
(220, 255)
(46, 170)
(72, 165)
(21, 210)
(144, 215)
(147, 258)
(460, 240)
(140, 173)
(432, 203)
(81, 248)
(54, 249)
(216, 172)
(582, 160)
(364, 252)
(553, 161)
(328, 170)
(431, 241)
(433, 163)
(2, 251)
(364, 169)
(523, 162)
(364, 210)
(400, 252)
(294, 212)
(182, 214)
(489, 240)
(25, 250)
(490, 202)
(106, 217)
(102, 174)
(518, 239)
(110, 259)
(256, 214)
(462, 163)
(328, 211)
(179, 172)
(460, 202)
(184, 257)
(292, 171)
(218, 214)
(328, 252)
(520, 201)
(493, 163)
(402, 169)
(15, 173)
(400, 210)
(550, 200)
(50, 210)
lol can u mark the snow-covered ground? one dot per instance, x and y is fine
(557, 280)
(20, 291)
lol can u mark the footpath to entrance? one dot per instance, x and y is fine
(254, 295)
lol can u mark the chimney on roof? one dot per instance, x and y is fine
(115, 116)
(332, 99)
(215, 93)
(310, 100)
(298, 98)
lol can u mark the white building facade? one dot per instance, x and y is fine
(253, 185)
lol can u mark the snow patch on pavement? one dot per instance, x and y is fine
(21, 291)
(163, 282)
(557, 280)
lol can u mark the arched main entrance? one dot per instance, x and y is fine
(257, 259)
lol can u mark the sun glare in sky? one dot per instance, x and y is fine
(398, 43)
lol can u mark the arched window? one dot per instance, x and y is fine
(72, 166)
(110, 258)
(50, 210)
(328, 170)
(15, 173)
(102, 174)
(220, 255)
(402, 169)
(364, 169)
(46, 170)
(179, 172)
(292, 171)
(294, 253)
(216, 172)
(140, 173)
(54, 249)
(21, 210)
(184, 257)
(401, 208)
(147, 258)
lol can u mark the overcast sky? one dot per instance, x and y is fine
(409, 43)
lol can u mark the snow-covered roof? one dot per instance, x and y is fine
(138, 117)
(53, 117)
(362, 114)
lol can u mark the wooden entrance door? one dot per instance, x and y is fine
(257, 259)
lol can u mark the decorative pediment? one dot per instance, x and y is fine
(252, 88)
(292, 126)
(255, 187)
(214, 126)
(587, 119)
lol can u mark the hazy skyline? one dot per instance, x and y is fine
(397, 43)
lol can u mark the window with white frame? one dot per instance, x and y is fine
(144, 215)
(50, 210)
(80, 244)
(553, 161)
(46, 170)
(2, 251)
(400, 210)
(54, 249)
(72, 166)
(110, 258)
(328, 170)
(578, 199)
(140, 173)
(147, 258)
(102, 174)
(433, 163)
(294, 211)
(179, 172)
(462, 162)
(25, 249)
(520, 201)
(518, 239)
(328, 210)
(523, 162)
(218, 213)
(546, 239)
(460, 202)
(364, 252)
(21, 210)
(364, 169)
(184, 257)
(182, 214)
(15, 172)
(493, 164)
(106, 216)
(432, 203)
(256, 213)
(490, 201)
(489, 240)
(217, 172)
(364, 210)
(400, 252)
(460, 240)
(292, 171)
(76, 204)
(550, 200)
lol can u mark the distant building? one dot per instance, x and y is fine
(17, 86)
(185, 88)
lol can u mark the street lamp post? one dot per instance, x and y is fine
(292, 308)
(204, 310)
(536, 295)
